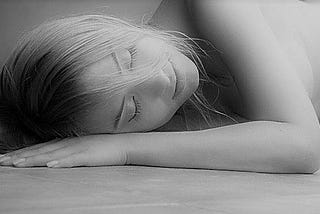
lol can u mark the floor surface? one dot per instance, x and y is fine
(137, 189)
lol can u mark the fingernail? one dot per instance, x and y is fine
(52, 164)
(2, 159)
(19, 161)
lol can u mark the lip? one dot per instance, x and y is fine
(179, 81)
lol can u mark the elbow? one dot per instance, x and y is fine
(303, 162)
(307, 154)
(309, 165)
(311, 161)
(312, 169)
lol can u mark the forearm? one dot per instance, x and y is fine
(260, 146)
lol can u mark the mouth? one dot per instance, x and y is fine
(180, 81)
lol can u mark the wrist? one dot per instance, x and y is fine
(130, 143)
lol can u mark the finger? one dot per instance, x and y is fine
(42, 159)
(25, 149)
(54, 145)
(36, 146)
(78, 159)
(6, 160)
(83, 159)
(35, 150)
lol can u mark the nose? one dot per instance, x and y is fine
(158, 85)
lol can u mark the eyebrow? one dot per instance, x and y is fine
(118, 117)
(116, 59)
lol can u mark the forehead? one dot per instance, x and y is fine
(100, 117)
(101, 74)
(105, 66)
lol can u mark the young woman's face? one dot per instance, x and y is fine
(150, 104)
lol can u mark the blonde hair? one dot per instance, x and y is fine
(42, 95)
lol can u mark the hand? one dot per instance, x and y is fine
(91, 150)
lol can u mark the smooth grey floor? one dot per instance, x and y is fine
(137, 189)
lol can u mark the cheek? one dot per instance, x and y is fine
(158, 114)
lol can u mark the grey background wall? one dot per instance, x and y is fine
(19, 16)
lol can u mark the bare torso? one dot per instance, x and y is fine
(294, 24)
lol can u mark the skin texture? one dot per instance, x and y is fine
(282, 135)
(155, 95)
(156, 99)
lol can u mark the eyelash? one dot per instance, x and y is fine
(137, 111)
(132, 51)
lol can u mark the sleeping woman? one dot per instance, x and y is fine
(208, 84)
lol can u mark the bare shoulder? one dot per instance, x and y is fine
(294, 24)
(213, 5)
(265, 77)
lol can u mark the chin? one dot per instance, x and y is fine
(192, 81)
(193, 77)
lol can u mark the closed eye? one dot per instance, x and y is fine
(137, 111)
(133, 53)
(124, 59)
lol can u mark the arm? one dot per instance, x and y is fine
(284, 134)
(259, 146)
